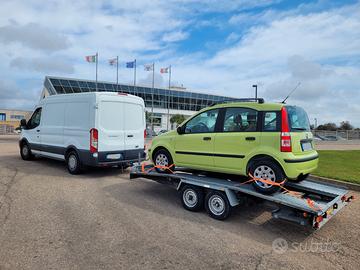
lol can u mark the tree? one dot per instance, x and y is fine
(345, 125)
(327, 126)
(177, 118)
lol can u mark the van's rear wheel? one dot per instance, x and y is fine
(162, 158)
(267, 170)
(73, 163)
(25, 152)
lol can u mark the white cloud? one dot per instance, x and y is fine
(273, 48)
(175, 36)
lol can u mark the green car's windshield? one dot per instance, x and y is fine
(298, 119)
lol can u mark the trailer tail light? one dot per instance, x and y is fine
(285, 137)
(318, 219)
(94, 137)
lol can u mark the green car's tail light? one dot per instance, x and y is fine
(285, 137)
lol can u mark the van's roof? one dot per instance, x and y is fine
(84, 94)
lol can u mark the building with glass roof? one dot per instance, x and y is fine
(178, 100)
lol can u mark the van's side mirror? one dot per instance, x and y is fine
(23, 123)
(180, 130)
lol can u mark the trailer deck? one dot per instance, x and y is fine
(314, 203)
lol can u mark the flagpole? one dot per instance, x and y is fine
(96, 76)
(168, 103)
(134, 76)
(152, 100)
(117, 73)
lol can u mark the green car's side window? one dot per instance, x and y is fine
(202, 123)
(240, 120)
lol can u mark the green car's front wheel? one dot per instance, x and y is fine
(268, 170)
(162, 158)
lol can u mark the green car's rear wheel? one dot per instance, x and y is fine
(268, 170)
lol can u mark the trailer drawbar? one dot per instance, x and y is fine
(307, 202)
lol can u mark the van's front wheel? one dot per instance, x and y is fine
(267, 170)
(25, 152)
(73, 163)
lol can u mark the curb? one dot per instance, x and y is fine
(352, 186)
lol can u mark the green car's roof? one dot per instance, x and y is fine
(252, 105)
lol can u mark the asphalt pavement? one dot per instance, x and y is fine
(50, 219)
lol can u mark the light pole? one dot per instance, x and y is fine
(255, 86)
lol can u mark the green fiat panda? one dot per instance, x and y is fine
(268, 140)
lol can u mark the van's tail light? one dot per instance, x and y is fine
(144, 138)
(94, 137)
(285, 137)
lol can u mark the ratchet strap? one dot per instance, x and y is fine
(165, 168)
(296, 194)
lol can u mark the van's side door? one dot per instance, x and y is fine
(239, 136)
(195, 147)
(33, 131)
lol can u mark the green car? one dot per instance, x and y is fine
(269, 140)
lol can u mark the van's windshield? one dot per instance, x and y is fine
(298, 119)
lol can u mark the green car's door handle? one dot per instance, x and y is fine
(250, 138)
(207, 138)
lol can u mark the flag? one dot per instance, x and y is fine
(113, 61)
(90, 58)
(130, 64)
(148, 67)
(164, 70)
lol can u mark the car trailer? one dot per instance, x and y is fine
(307, 202)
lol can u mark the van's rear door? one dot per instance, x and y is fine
(134, 121)
(111, 123)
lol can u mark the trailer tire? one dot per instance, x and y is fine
(217, 205)
(192, 198)
(270, 170)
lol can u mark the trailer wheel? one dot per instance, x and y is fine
(192, 198)
(217, 205)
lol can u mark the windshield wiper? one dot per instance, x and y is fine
(297, 128)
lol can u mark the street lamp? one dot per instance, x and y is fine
(255, 85)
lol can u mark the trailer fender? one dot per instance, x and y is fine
(231, 195)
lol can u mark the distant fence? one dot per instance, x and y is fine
(344, 134)
(6, 129)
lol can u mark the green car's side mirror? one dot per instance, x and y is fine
(180, 130)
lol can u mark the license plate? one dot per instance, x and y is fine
(113, 156)
(306, 146)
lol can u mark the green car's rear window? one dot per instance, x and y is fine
(298, 119)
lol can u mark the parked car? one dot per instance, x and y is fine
(86, 129)
(269, 140)
(162, 131)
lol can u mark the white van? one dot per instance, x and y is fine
(86, 129)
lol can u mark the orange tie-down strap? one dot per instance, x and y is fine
(296, 194)
(165, 168)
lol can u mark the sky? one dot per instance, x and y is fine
(218, 47)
